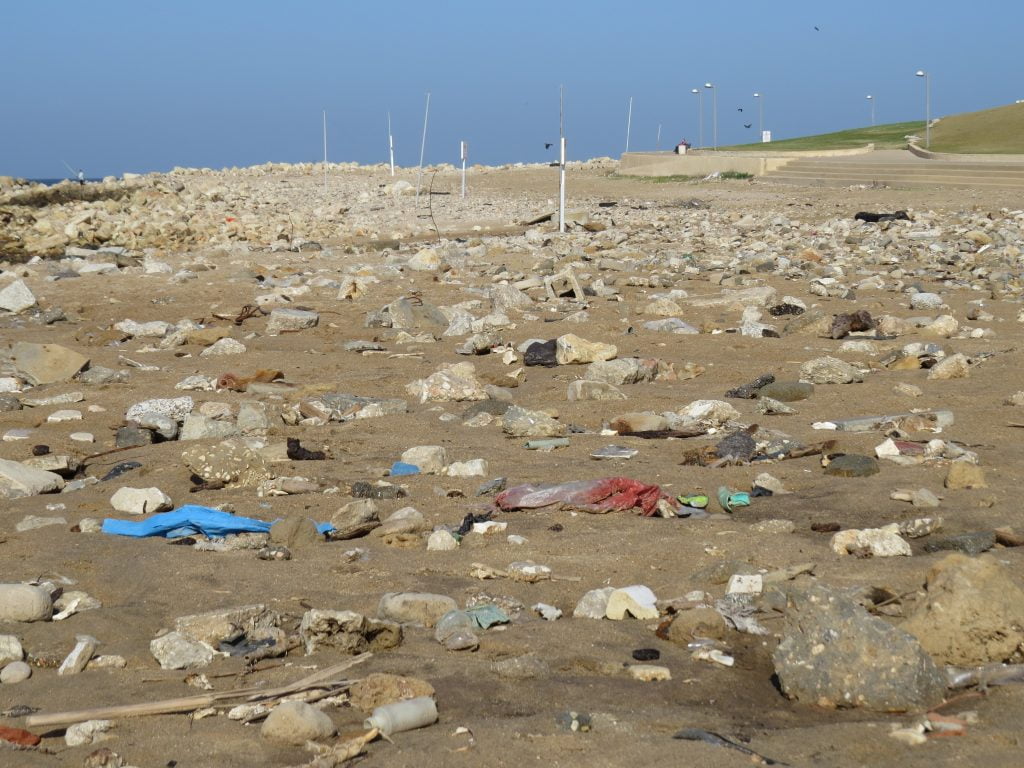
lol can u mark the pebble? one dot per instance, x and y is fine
(24, 602)
(15, 672)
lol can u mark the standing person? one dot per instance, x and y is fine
(81, 177)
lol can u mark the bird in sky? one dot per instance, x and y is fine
(548, 145)
(747, 125)
(817, 30)
(739, 109)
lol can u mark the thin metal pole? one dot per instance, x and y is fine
(700, 116)
(391, 146)
(657, 141)
(927, 110)
(325, 150)
(462, 154)
(714, 102)
(561, 161)
(423, 147)
(629, 121)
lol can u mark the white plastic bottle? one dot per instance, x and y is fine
(403, 715)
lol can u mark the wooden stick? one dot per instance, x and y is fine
(188, 703)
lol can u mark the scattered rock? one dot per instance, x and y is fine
(296, 722)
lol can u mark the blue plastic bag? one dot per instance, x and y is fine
(192, 519)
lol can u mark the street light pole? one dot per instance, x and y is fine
(700, 116)
(927, 107)
(714, 114)
(760, 113)
(871, 101)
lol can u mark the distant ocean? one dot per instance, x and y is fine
(51, 182)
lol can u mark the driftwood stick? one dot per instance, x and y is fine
(189, 703)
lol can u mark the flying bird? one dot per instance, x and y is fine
(739, 109)
(817, 30)
(548, 145)
(747, 125)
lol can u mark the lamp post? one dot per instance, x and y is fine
(714, 114)
(700, 116)
(760, 113)
(871, 101)
(927, 107)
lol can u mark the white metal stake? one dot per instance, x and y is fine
(423, 147)
(657, 142)
(463, 152)
(629, 120)
(391, 146)
(561, 159)
(325, 150)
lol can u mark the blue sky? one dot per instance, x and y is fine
(114, 86)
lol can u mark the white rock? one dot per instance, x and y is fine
(140, 501)
(17, 297)
(175, 651)
(155, 329)
(18, 480)
(177, 408)
(594, 604)
(15, 672)
(225, 346)
(745, 584)
(431, 459)
(471, 468)
(649, 673)
(81, 734)
(67, 414)
(880, 542)
(441, 541)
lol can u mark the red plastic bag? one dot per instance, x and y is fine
(609, 494)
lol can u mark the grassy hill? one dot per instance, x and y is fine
(991, 131)
(889, 136)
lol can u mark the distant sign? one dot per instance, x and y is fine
(766, 137)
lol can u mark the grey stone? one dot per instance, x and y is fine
(42, 364)
(431, 459)
(826, 370)
(295, 723)
(969, 543)
(835, 654)
(594, 604)
(453, 383)
(291, 320)
(252, 417)
(519, 422)
(32, 522)
(414, 607)
(9, 402)
(852, 465)
(18, 480)
(787, 391)
(130, 437)
(593, 390)
(925, 300)
(24, 602)
(199, 427)
(164, 425)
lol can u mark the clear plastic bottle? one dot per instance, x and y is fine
(403, 715)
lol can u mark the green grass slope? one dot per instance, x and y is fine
(991, 131)
(889, 136)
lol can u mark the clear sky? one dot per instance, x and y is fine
(113, 86)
